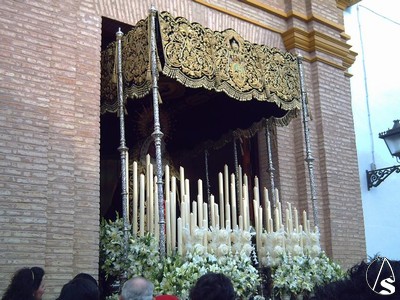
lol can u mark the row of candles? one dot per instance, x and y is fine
(182, 212)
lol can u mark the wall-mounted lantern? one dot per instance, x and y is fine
(392, 140)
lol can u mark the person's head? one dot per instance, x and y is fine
(80, 289)
(86, 276)
(361, 277)
(137, 288)
(27, 283)
(213, 286)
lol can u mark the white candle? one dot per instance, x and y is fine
(276, 219)
(287, 220)
(228, 216)
(135, 200)
(205, 214)
(168, 227)
(200, 201)
(180, 241)
(221, 197)
(194, 214)
(192, 224)
(187, 201)
(226, 188)
(141, 205)
(233, 195)
(296, 219)
(241, 226)
(280, 213)
(216, 211)
(156, 215)
(183, 213)
(228, 228)
(173, 220)
(305, 220)
(187, 189)
(150, 207)
(270, 225)
(205, 241)
(240, 181)
(212, 211)
(167, 183)
(182, 182)
(255, 212)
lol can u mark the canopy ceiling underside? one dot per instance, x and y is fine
(244, 84)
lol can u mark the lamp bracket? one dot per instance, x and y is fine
(375, 177)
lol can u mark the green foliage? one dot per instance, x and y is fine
(302, 273)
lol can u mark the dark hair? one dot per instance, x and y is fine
(355, 285)
(212, 286)
(80, 289)
(86, 276)
(24, 283)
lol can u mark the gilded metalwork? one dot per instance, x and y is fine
(225, 62)
(135, 69)
(199, 57)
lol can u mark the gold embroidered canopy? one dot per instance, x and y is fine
(243, 84)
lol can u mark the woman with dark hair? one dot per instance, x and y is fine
(213, 286)
(26, 284)
(80, 288)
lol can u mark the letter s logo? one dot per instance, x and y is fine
(386, 284)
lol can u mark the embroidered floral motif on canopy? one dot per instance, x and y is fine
(199, 57)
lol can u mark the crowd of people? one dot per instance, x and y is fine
(29, 284)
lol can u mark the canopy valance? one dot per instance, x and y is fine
(199, 57)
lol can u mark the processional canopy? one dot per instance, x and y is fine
(243, 85)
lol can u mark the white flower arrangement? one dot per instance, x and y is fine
(143, 256)
(177, 274)
(181, 273)
(300, 274)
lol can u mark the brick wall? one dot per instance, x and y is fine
(49, 129)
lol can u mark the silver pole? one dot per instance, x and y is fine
(122, 149)
(271, 169)
(157, 134)
(309, 159)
